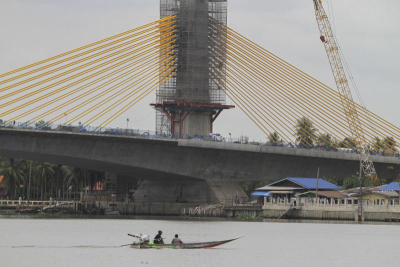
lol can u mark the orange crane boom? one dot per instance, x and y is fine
(350, 107)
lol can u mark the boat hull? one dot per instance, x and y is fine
(183, 246)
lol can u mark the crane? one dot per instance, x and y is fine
(342, 83)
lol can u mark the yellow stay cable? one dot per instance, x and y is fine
(69, 93)
(295, 87)
(132, 103)
(340, 116)
(80, 105)
(240, 99)
(293, 123)
(277, 88)
(328, 106)
(144, 42)
(85, 53)
(249, 114)
(329, 90)
(125, 98)
(80, 74)
(86, 46)
(243, 76)
(150, 74)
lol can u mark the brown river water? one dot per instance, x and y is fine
(97, 242)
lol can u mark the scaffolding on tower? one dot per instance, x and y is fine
(178, 92)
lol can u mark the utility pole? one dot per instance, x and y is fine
(127, 125)
(29, 181)
(316, 191)
(360, 202)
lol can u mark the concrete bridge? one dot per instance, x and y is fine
(180, 170)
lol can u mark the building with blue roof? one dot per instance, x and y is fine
(298, 183)
(291, 186)
(395, 186)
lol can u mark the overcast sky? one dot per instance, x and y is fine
(369, 32)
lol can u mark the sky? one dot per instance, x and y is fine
(368, 32)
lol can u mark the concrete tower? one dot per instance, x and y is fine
(189, 103)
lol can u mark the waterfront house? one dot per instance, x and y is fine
(384, 195)
(288, 188)
(325, 196)
(395, 187)
(293, 185)
(377, 198)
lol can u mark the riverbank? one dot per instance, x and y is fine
(269, 211)
(249, 219)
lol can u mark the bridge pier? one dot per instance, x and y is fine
(185, 192)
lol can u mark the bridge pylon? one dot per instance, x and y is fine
(188, 103)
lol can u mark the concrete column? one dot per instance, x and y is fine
(177, 190)
(192, 79)
(227, 192)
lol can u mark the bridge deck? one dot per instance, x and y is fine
(260, 148)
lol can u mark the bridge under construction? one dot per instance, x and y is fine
(192, 60)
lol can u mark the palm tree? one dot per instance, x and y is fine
(13, 176)
(325, 141)
(348, 142)
(44, 173)
(390, 144)
(305, 132)
(274, 138)
(378, 145)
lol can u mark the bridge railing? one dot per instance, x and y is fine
(34, 203)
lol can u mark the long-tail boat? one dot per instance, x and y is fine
(182, 246)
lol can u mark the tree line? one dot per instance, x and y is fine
(307, 136)
(33, 180)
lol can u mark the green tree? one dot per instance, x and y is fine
(348, 142)
(44, 173)
(378, 145)
(305, 132)
(354, 181)
(325, 141)
(13, 176)
(274, 138)
(390, 144)
(42, 125)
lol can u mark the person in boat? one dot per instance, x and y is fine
(158, 238)
(176, 240)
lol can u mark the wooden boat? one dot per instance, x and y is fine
(182, 246)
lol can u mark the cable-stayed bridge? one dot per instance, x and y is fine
(193, 60)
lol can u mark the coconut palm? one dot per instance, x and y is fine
(13, 176)
(274, 138)
(378, 145)
(348, 142)
(305, 132)
(390, 144)
(44, 174)
(325, 141)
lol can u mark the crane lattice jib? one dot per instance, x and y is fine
(342, 83)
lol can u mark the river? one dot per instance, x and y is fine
(96, 242)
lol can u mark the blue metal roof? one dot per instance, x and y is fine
(261, 194)
(311, 183)
(395, 186)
